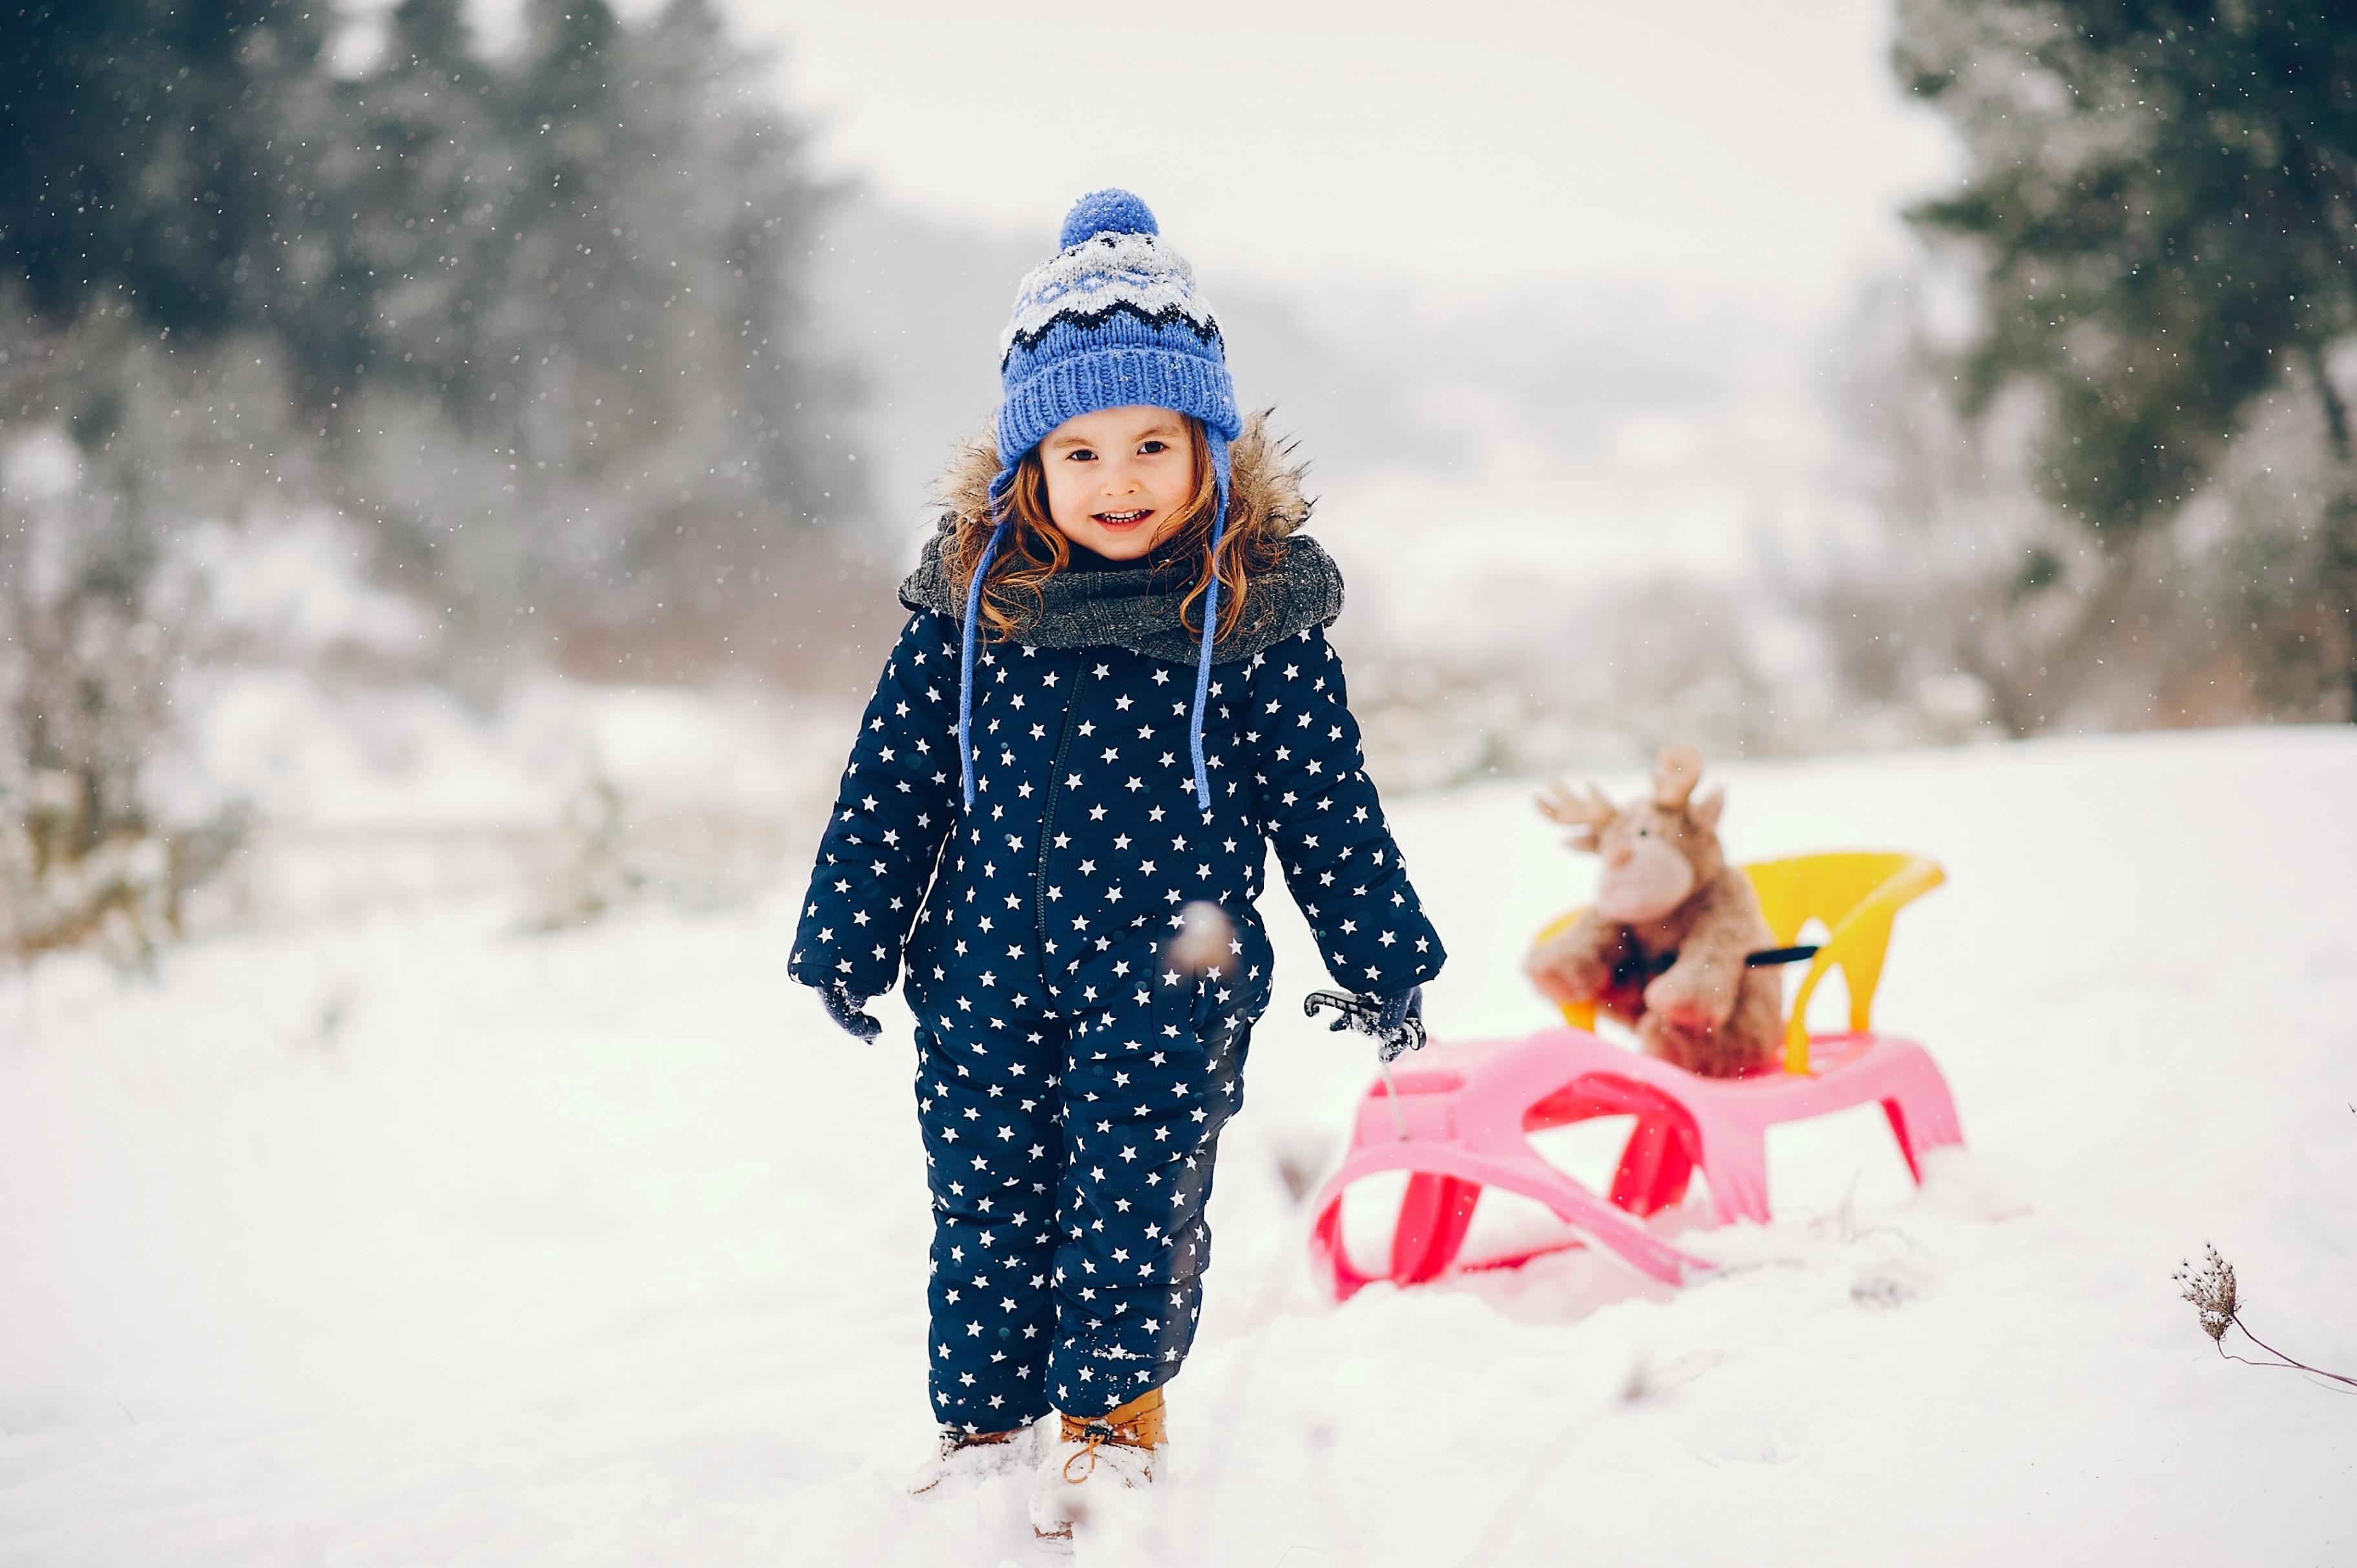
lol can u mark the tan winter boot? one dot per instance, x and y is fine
(975, 1457)
(1115, 1450)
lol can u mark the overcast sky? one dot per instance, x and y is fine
(1453, 145)
(1685, 199)
(1722, 142)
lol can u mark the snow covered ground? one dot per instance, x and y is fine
(415, 1237)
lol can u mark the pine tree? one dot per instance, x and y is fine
(542, 319)
(2162, 199)
(416, 180)
(718, 195)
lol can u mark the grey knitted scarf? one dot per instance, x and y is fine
(1139, 609)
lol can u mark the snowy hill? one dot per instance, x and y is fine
(414, 1237)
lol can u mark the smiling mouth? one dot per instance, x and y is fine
(1124, 519)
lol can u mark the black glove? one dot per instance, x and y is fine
(1398, 1010)
(844, 1009)
(1400, 1025)
(1395, 1022)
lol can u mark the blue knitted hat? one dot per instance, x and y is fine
(1111, 320)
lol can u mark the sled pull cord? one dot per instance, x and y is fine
(1391, 1096)
(1354, 1009)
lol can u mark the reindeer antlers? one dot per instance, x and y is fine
(1586, 808)
(1675, 774)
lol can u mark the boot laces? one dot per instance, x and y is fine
(1093, 1436)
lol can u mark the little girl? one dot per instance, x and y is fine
(1114, 691)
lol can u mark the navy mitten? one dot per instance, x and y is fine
(846, 1010)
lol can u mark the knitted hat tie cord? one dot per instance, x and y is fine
(965, 661)
(1113, 320)
(1219, 444)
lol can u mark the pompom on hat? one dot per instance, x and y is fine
(1111, 320)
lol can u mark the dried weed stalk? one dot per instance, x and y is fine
(2211, 1289)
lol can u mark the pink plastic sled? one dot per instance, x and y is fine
(1468, 1109)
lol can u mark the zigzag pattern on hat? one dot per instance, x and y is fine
(1092, 277)
(1205, 329)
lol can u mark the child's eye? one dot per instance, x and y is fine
(1080, 455)
(1149, 447)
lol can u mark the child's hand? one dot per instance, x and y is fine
(1394, 1022)
(1393, 1027)
(846, 1009)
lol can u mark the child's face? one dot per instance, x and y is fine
(1118, 478)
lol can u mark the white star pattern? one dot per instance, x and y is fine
(1120, 1072)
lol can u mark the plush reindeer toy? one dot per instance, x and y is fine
(1663, 948)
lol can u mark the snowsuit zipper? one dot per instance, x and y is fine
(1047, 830)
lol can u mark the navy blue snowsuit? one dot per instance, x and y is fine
(1073, 1084)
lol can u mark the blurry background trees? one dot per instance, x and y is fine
(2158, 226)
(336, 342)
(531, 330)
(537, 321)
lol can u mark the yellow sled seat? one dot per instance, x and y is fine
(1855, 894)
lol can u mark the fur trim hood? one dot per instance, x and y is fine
(1139, 609)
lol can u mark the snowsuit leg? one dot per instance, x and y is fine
(987, 1101)
(1153, 1072)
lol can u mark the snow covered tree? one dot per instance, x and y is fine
(96, 614)
(619, 320)
(537, 325)
(164, 242)
(546, 317)
(2162, 202)
(744, 414)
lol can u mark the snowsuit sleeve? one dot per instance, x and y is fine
(1318, 809)
(896, 801)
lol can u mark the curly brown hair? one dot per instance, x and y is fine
(1035, 548)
